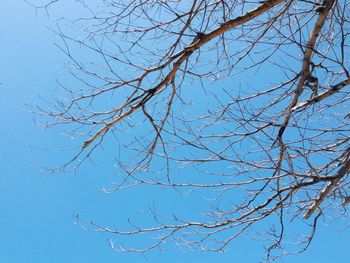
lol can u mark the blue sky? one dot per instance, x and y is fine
(37, 209)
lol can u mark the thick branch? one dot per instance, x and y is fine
(183, 56)
(305, 71)
(344, 170)
(322, 96)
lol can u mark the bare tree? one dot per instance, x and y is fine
(250, 96)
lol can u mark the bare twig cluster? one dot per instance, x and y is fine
(270, 126)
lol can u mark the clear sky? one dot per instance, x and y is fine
(37, 209)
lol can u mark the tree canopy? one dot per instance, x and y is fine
(244, 100)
